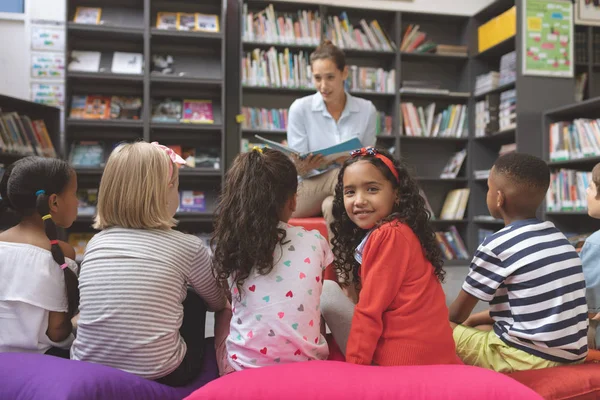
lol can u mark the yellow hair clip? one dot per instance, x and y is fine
(256, 148)
(47, 216)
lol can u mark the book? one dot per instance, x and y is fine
(455, 204)
(163, 64)
(87, 15)
(127, 63)
(84, 61)
(125, 107)
(166, 110)
(197, 112)
(166, 20)
(87, 154)
(77, 107)
(97, 107)
(207, 22)
(330, 154)
(192, 201)
(454, 165)
(186, 22)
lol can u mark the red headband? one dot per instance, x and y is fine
(371, 151)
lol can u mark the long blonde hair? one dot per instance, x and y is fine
(134, 188)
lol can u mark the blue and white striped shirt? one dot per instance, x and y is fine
(533, 279)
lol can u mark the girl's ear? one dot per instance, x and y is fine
(53, 203)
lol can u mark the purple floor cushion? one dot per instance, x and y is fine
(35, 376)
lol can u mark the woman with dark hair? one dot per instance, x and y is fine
(324, 119)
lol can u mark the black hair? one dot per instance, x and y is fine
(256, 188)
(410, 210)
(524, 170)
(25, 188)
(328, 51)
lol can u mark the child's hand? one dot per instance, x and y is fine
(594, 317)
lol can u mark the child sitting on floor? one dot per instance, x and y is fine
(590, 259)
(38, 285)
(137, 313)
(274, 271)
(531, 276)
(383, 242)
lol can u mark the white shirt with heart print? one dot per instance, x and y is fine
(276, 320)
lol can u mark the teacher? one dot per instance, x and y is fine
(326, 118)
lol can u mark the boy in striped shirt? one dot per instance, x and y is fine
(530, 275)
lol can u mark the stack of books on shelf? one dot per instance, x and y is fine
(384, 124)
(486, 116)
(451, 244)
(486, 82)
(415, 41)
(580, 85)
(88, 154)
(419, 121)
(508, 68)
(261, 118)
(268, 26)
(122, 63)
(455, 204)
(105, 107)
(367, 79)
(567, 190)
(277, 69)
(454, 165)
(481, 173)
(191, 201)
(180, 21)
(581, 47)
(574, 140)
(507, 115)
(341, 33)
(19, 134)
(183, 111)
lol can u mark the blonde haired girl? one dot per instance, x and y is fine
(136, 313)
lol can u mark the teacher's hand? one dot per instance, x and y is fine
(312, 161)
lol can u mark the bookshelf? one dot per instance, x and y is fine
(534, 95)
(35, 111)
(587, 58)
(199, 61)
(571, 220)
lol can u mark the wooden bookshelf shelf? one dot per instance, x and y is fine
(434, 57)
(484, 220)
(433, 138)
(178, 126)
(268, 45)
(155, 32)
(106, 30)
(567, 213)
(499, 89)
(106, 76)
(104, 123)
(436, 97)
(507, 134)
(247, 131)
(578, 162)
(187, 80)
(183, 172)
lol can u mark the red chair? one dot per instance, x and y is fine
(319, 224)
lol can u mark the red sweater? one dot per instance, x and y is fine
(401, 317)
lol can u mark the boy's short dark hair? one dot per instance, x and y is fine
(524, 170)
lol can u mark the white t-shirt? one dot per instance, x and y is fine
(31, 286)
(277, 319)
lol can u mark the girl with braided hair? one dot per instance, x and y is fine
(39, 289)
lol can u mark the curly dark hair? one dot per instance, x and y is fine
(410, 210)
(257, 187)
(524, 170)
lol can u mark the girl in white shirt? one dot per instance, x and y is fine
(39, 290)
(273, 271)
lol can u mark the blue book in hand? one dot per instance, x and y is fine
(329, 153)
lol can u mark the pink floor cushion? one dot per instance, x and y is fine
(332, 380)
(37, 376)
(581, 382)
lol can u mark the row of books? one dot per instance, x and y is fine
(415, 41)
(496, 112)
(122, 63)
(574, 140)
(19, 134)
(302, 27)
(180, 21)
(105, 107)
(455, 204)
(567, 190)
(371, 80)
(93, 154)
(344, 35)
(261, 118)
(423, 121)
(508, 68)
(277, 69)
(451, 244)
(486, 82)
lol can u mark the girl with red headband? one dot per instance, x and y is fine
(384, 246)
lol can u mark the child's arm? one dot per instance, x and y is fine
(462, 307)
(385, 260)
(59, 326)
(478, 319)
(204, 283)
(590, 261)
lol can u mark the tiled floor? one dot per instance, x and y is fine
(454, 279)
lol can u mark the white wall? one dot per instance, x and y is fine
(454, 7)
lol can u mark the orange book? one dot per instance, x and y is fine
(97, 107)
